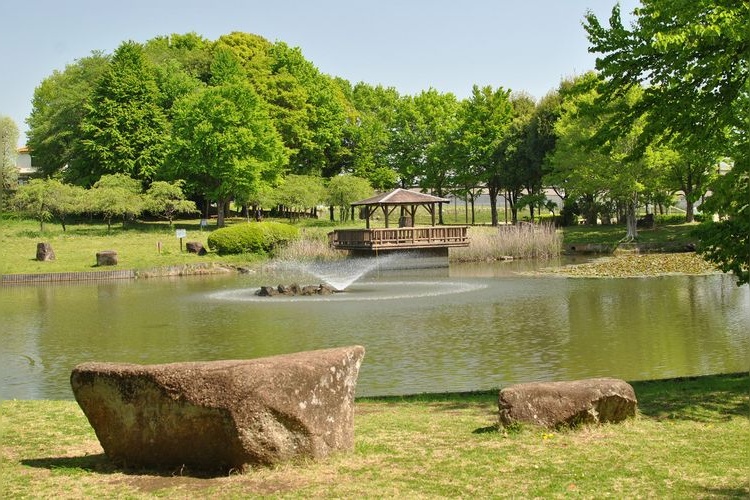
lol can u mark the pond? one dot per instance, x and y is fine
(467, 327)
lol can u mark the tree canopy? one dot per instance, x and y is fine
(8, 154)
(692, 58)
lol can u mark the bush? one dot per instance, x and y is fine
(669, 218)
(259, 238)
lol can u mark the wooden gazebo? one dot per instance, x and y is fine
(406, 235)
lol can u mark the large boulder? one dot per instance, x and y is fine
(560, 404)
(222, 415)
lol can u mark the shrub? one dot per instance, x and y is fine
(669, 218)
(257, 238)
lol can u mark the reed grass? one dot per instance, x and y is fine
(521, 241)
(312, 245)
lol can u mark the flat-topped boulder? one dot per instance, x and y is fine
(222, 415)
(560, 404)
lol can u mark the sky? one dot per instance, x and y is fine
(411, 45)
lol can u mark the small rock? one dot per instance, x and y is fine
(106, 258)
(195, 247)
(44, 252)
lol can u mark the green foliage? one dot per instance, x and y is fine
(692, 57)
(117, 195)
(259, 238)
(165, 200)
(225, 143)
(58, 108)
(298, 192)
(8, 155)
(44, 199)
(124, 129)
(33, 199)
(346, 189)
(485, 118)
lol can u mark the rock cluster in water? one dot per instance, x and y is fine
(295, 289)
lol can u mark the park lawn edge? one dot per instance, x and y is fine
(689, 439)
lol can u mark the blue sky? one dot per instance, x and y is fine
(412, 45)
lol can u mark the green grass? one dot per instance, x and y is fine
(137, 244)
(612, 234)
(689, 440)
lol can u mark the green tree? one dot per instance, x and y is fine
(117, 195)
(125, 129)
(166, 199)
(8, 155)
(485, 118)
(224, 143)
(346, 189)
(369, 133)
(33, 199)
(436, 130)
(516, 169)
(297, 193)
(693, 57)
(58, 108)
(577, 172)
(310, 107)
(45, 199)
(189, 52)
(66, 200)
(683, 170)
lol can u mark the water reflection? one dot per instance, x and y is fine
(464, 328)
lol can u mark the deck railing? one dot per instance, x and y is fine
(401, 237)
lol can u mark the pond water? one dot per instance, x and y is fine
(467, 327)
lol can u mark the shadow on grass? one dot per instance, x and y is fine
(101, 464)
(739, 492)
(708, 398)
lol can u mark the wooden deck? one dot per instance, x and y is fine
(401, 238)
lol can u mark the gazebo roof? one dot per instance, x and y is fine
(401, 197)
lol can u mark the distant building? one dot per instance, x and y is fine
(25, 169)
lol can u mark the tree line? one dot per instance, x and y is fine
(237, 118)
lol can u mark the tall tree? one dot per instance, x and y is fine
(517, 170)
(370, 134)
(225, 144)
(125, 129)
(683, 169)
(8, 155)
(692, 55)
(485, 118)
(343, 190)
(297, 193)
(58, 109)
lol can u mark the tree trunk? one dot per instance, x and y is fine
(689, 209)
(631, 220)
(493, 204)
(220, 204)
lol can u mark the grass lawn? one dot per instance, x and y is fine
(143, 246)
(690, 440)
(612, 234)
